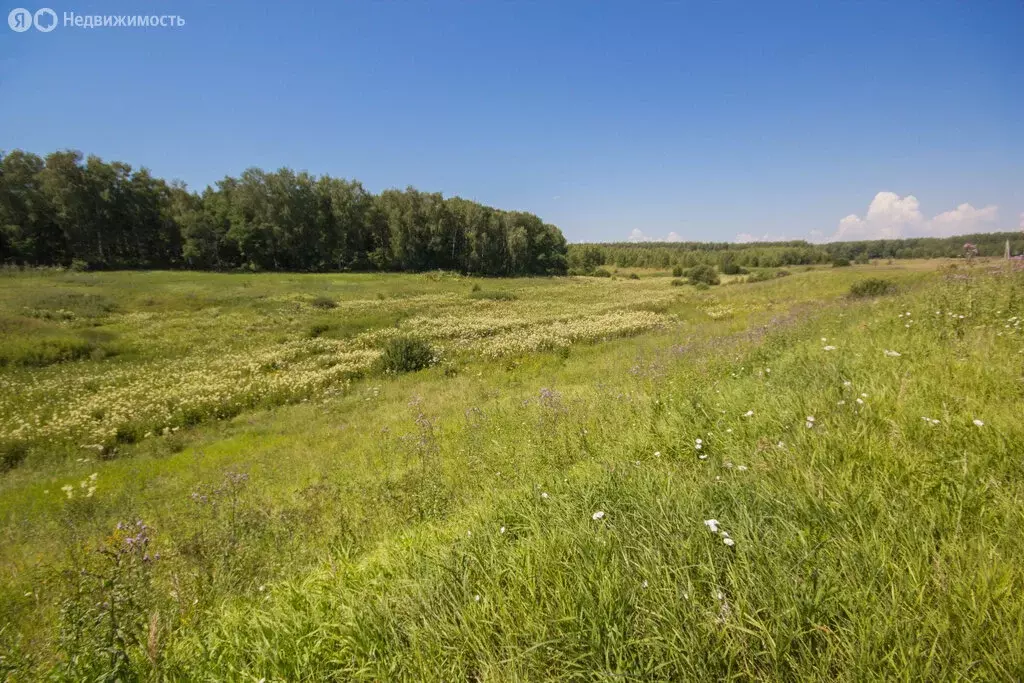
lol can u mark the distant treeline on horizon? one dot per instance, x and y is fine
(584, 257)
(65, 209)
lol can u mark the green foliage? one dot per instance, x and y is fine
(677, 271)
(105, 619)
(44, 351)
(429, 527)
(91, 214)
(703, 274)
(492, 295)
(12, 454)
(678, 282)
(872, 286)
(601, 272)
(634, 276)
(727, 255)
(323, 303)
(766, 275)
(840, 263)
(406, 354)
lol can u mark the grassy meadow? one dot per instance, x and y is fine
(212, 477)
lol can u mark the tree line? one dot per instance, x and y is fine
(65, 209)
(727, 256)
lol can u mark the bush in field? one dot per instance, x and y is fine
(677, 271)
(703, 274)
(634, 276)
(765, 275)
(873, 286)
(678, 282)
(406, 354)
(492, 295)
(840, 263)
(45, 351)
(601, 272)
(323, 302)
(12, 453)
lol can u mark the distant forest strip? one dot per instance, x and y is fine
(66, 210)
(584, 258)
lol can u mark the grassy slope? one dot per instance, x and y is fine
(872, 543)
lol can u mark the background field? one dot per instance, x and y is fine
(309, 517)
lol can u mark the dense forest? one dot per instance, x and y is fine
(64, 209)
(584, 258)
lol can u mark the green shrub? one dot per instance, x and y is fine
(634, 276)
(760, 276)
(703, 274)
(323, 302)
(44, 351)
(702, 286)
(840, 263)
(872, 286)
(492, 295)
(601, 272)
(12, 453)
(406, 354)
(318, 329)
(678, 282)
(677, 271)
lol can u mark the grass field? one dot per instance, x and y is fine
(208, 477)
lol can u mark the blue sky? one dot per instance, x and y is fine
(707, 121)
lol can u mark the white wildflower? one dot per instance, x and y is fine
(501, 530)
(728, 541)
(749, 413)
(597, 515)
(829, 348)
(712, 525)
(892, 354)
(979, 423)
(68, 490)
(742, 468)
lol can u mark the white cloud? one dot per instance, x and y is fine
(891, 216)
(745, 237)
(638, 235)
(962, 220)
(1022, 220)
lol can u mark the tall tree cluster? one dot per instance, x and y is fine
(65, 208)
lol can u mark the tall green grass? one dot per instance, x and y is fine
(863, 457)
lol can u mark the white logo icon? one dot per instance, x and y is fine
(45, 20)
(20, 19)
